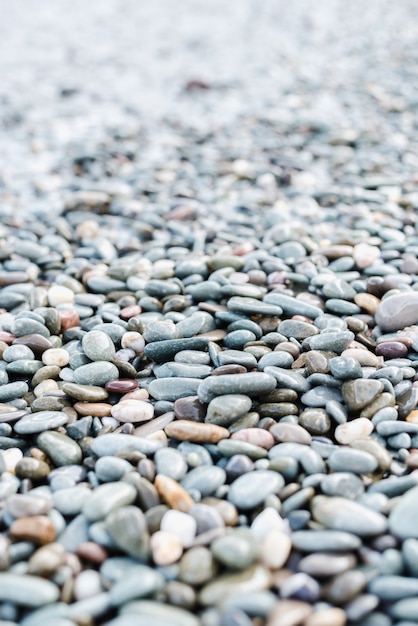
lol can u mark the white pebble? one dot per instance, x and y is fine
(56, 356)
(11, 458)
(87, 584)
(166, 548)
(57, 294)
(45, 385)
(268, 520)
(180, 524)
(275, 549)
(133, 411)
(134, 341)
(355, 429)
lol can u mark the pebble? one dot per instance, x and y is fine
(96, 374)
(208, 345)
(107, 498)
(184, 430)
(403, 515)
(397, 312)
(343, 514)
(28, 591)
(251, 489)
(40, 422)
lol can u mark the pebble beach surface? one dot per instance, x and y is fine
(208, 314)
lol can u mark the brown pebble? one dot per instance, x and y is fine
(317, 361)
(35, 342)
(190, 408)
(185, 430)
(367, 301)
(336, 251)
(412, 417)
(289, 613)
(123, 385)
(231, 368)
(46, 560)
(256, 436)
(91, 551)
(288, 346)
(95, 409)
(364, 357)
(38, 528)
(327, 617)
(32, 468)
(173, 493)
(69, 318)
(130, 311)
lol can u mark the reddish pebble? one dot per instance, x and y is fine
(69, 318)
(391, 349)
(229, 369)
(130, 311)
(256, 436)
(6, 337)
(91, 551)
(122, 385)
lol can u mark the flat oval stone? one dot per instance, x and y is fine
(62, 450)
(161, 351)
(115, 443)
(206, 479)
(286, 431)
(37, 529)
(172, 389)
(107, 498)
(324, 564)
(122, 385)
(251, 489)
(349, 460)
(224, 410)
(173, 493)
(142, 612)
(393, 587)
(402, 519)
(342, 514)
(141, 581)
(354, 429)
(250, 384)
(97, 373)
(197, 432)
(23, 505)
(30, 591)
(133, 411)
(255, 578)
(11, 391)
(40, 421)
(406, 609)
(293, 306)
(335, 341)
(86, 393)
(325, 541)
(397, 312)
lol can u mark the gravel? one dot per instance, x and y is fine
(208, 314)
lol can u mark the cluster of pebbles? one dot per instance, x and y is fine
(209, 354)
